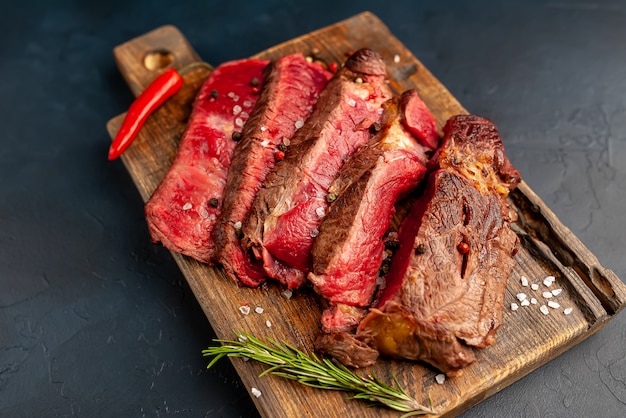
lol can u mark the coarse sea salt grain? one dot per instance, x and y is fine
(237, 225)
(557, 292)
(553, 304)
(544, 310)
(525, 302)
(524, 281)
(533, 301)
(187, 206)
(299, 124)
(256, 392)
(514, 306)
(548, 281)
(547, 295)
(351, 102)
(320, 211)
(268, 323)
(534, 286)
(287, 293)
(521, 296)
(233, 96)
(244, 309)
(258, 310)
(396, 58)
(567, 311)
(440, 378)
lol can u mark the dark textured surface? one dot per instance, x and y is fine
(96, 321)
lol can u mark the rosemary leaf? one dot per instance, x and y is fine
(284, 360)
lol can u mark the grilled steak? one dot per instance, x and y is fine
(183, 210)
(445, 290)
(292, 87)
(348, 252)
(288, 208)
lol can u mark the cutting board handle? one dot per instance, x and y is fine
(143, 58)
(140, 61)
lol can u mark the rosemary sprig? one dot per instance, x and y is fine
(289, 362)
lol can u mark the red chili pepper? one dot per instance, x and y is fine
(160, 89)
(332, 67)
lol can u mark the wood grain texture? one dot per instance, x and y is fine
(527, 339)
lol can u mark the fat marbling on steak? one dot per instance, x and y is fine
(182, 211)
(292, 86)
(285, 216)
(348, 252)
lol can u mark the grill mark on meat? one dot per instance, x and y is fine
(348, 252)
(283, 220)
(439, 304)
(292, 87)
(183, 210)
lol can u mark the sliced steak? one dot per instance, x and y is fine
(445, 288)
(288, 208)
(348, 252)
(183, 210)
(292, 87)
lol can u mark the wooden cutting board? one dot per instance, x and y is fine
(527, 339)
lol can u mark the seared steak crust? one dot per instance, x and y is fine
(286, 213)
(292, 87)
(348, 252)
(445, 289)
(183, 210)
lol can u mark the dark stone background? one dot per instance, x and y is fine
(96, 321)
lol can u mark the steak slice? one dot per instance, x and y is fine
(445, 288)
(292, 87)
(288, 208)
(348, 252)
(182, 211)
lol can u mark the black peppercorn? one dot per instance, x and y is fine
(420, 249)
(392, 244)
